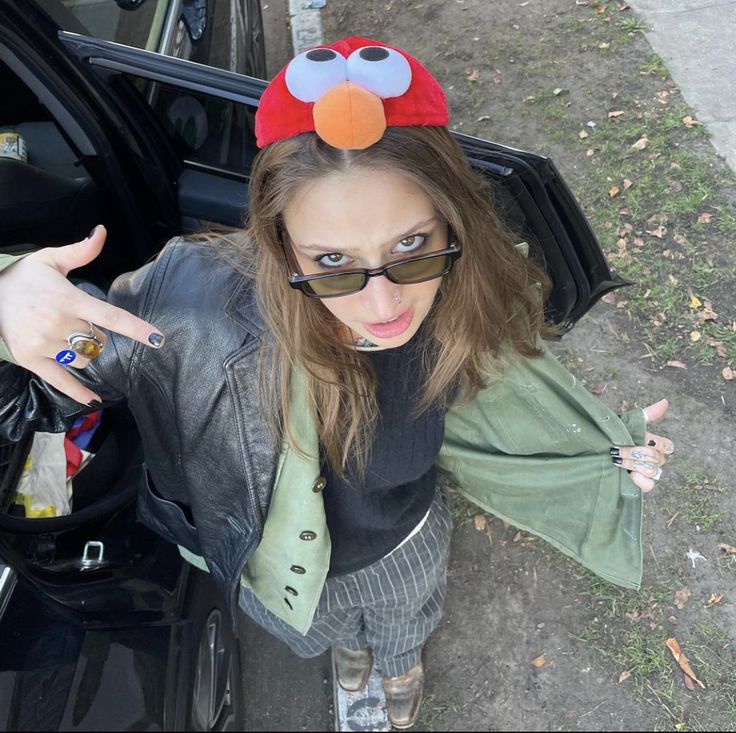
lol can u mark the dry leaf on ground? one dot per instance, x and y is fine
(472, 73)
(690, 122)
(539, 661)
(681, 659)
(641, 143)
(682, 596)
(616, 113)
(688, 682)
(714, 599)
(727, 373)
(480, 522)
(583, 134)
(705, 218)
(614, 191)
(695, 336)
(677, 363)
(624, 676)
(726, 548)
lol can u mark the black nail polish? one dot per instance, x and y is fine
(92, 233)
(156, 340)
(628, 470)
(617, 461)
(652, 442)
(615, 451)
(96, 404)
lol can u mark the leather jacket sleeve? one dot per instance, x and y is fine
(30, 404)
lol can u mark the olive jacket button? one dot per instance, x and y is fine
(307, 535)
(291, 590)
(298, 569)
(319, 484)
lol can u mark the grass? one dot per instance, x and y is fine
(695, 501)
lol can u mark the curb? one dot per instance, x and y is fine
(306, 25)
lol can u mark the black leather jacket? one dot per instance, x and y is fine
(209, 460)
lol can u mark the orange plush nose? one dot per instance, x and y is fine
(349, 117)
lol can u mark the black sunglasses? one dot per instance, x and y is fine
(409, 271)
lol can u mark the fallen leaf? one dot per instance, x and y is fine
(604, 45)
(483, 118)
(659, 232)
(682, 596)
(472, 73)
(714, 599)
(600, 9)
(678, 364)
(517, 536)
(695, 302)
(480, 522)
(497, 76)
(681, 659)
(539, 661)
(558, 91)
(614, 191)
(641, 143)
(705, 218)
(673, 279)
(627, 184)
(623, 6)
(726, 548)
(695, 336)
(609, 298)
(727, 374)
(690, 122)
(590, 152)
(617, 113)
(688, 682)
(530, 98)
(583, 134)
(624, 676)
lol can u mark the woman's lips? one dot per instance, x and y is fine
(392, 328)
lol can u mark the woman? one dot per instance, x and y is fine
(373, 321)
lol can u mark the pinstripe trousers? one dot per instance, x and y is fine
(392, 605)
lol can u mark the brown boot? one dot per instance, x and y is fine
(404, 696)
(352, 668)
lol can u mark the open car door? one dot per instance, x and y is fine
(206, 117)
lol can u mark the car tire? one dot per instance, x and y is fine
(214, 700)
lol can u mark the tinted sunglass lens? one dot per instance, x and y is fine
(419, 270)
(336, 285)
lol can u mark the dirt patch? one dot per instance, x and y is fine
(580, 83)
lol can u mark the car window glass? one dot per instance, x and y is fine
(207, 131)
(137, 23)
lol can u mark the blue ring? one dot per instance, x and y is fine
(66, 356)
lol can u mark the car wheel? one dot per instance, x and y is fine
(215, 698)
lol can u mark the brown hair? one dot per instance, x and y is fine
(486, 302)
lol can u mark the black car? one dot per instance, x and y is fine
(102, 625)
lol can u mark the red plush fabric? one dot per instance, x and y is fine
(280, 115)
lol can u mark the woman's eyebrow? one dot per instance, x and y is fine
(325, 248)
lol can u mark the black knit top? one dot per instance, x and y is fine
(368, 519)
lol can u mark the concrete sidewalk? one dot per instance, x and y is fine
(697, 40)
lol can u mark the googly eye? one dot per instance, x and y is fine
(310, 74)
(383, 71)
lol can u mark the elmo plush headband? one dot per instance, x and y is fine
(348, 93)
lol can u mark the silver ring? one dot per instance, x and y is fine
(657, 475)
(86, 344)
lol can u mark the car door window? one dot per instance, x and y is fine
(208, 132)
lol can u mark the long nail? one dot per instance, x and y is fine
(95, 404)
(156, 340)
(615, 451)
(617, 461)
(652, 442)
(92, 233)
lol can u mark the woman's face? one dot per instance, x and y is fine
(366, 219)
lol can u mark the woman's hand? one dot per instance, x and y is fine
(40, 308)
(644, 462)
